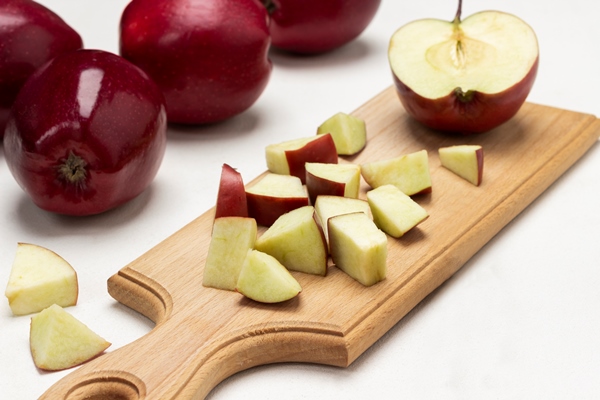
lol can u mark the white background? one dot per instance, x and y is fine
(520, 320)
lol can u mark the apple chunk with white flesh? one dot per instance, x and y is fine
(297, 241)
(59, 341)
(329, 206)
(358, 247)
(349, 133)
(231, 198)
(273, 195)
(332, 179)
(289, 157)
(409, 173)
(39, 278)
(231, 239)
(467, 75)
(266, 280)
(465, 161)
(394, 212)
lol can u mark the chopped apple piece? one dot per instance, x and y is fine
(329, 206)
(394, 212)
(289, 157)
(297, 241)
(39, 278)
(358, 247)
(231, 198)
(231, 239)
(274, 195)
(349, 133)
(464, 160)
(332, 179)
(59, 341)
(409, 173)
(266, 280)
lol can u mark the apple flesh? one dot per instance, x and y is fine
(328, 206)
(297, 241)
(87, 133)
(394, 212)
(274, 195)
(465, 161)
(290, 157)
(59, 341)
(332, 179)
(409, 173)
(464, 76)
(358, 247)
(231, 239)
(39, 278)
(231, 197)
(266, 280)
(349, 133)
(31, 35)
(209, 58)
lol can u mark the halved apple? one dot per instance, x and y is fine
(297, 241)
(329, 206)
(39, 278)
(332, 179)
(465, 161)
(349, 133)
(59, 341)
(289, 157)
(394, 212)
(358, 247)
(409, 173)
(466, 76)
(266, 280)
(274, 195)
(231, 239)
(231, 198)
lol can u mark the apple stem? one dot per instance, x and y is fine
(73, 170)
(269, 5)
(458, 13)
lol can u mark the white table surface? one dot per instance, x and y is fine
(520, 320)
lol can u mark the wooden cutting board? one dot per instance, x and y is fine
(204, 335)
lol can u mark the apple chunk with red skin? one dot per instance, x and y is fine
(297, 241)
(467, 75)
(290, 157)
(465, 161)
(231, 197)
(87, 133)
(274, 195)
(332, 179)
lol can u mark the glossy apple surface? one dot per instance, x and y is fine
(231, 197)
(210, 58)
(464, 76)
(30, 36)
(317, 26)
(87, 133)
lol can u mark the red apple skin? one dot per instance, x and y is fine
(479, 155)
(318, 186)
(321, 150)
(265, 209)
(209, 57)
(30, 36)
(87, 133)
(481, 113)
(231, 198)
(317, 26)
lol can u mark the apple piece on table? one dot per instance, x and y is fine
(39, 278)
(465, 161)
(464, 76)
(394, 212)
(329, 206)
(289, 157)
(358, 247)
(349, 133)
(297, 241)
(274, 195)
(332, 179)
(409, 173)
(266, 280)
(231, 197)
(59, 341)
(231, 239)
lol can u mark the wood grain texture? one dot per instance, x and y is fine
(204, 335)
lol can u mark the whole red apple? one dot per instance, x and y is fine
(317, 26)
(209, 57)
(30, 36)
(87, 133)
